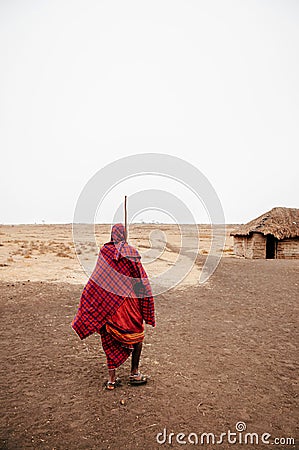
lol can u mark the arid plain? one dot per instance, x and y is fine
(223, 351)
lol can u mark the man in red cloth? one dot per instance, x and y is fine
(115, 302)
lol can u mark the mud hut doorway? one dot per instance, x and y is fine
(271, 246)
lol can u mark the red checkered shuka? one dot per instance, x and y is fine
(117, 273)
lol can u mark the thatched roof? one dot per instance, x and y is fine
(283, 223)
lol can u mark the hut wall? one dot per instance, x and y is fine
(288, 249)
(248, 253)
(239, 245)
(252, 246)
(258, 245)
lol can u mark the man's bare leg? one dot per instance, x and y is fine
(112, 377)
(136, 358)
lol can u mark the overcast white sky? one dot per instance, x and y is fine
(83, 83)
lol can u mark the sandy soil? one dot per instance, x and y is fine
(221, 353)
(47, 252)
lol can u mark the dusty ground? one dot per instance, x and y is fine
(222, 352)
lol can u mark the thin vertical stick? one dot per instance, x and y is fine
(126, 220)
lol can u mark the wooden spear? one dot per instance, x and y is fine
(126, 220)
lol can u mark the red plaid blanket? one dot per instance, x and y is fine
(117, 274)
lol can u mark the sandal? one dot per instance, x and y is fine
(137, 379)
(110, 385)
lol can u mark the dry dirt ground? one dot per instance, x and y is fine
(221, 353)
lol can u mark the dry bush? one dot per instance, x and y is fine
(18, 251)
(33, 247)
(63, 255)
(43, 248)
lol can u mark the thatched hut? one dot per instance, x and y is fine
(275, 234)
